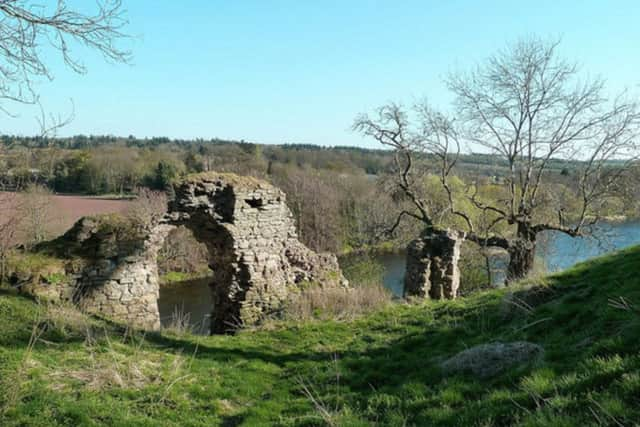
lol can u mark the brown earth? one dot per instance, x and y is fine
(64, 211)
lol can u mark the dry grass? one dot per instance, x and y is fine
(104, 366)
(68, 321)
(179, 322)
(107, 371)
(104, 360)
(336, 303)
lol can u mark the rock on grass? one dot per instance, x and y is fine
(487, 360)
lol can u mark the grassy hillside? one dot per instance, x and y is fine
(61, 368)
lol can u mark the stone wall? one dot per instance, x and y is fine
(124, 285)
(108, 267)
(255, 256)
(432, 265)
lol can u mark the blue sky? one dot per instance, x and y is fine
(300, 71)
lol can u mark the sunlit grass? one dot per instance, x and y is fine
(381, 368)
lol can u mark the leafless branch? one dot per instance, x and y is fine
(26, 27)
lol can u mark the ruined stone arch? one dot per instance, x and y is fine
(255, 255)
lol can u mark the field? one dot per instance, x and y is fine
(59, 367)
(62, 211)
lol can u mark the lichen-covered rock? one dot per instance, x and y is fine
(432, 265)
(255, 256)
(487, 360)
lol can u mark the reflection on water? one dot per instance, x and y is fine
(191, 298)
(394, 266)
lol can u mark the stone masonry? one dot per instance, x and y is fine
(255, 256)
(432, 265)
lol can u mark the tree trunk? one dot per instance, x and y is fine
(3, 268)
(487, 266)
(521, 258)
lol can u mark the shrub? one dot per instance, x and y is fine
(474, 275)
(37, 216)
(148, 207)
(362, 270)
(183, 256)
(179, 322)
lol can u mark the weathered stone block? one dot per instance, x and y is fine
(432, 265)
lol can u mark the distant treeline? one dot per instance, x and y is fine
(341, 197)
(333, 193)
(339, 158)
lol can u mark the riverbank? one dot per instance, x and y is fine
(381, 369)
(179, 278)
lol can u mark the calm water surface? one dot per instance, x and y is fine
(190, 298)
(561, 251)
(558, 250)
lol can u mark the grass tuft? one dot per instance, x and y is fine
(387, 373)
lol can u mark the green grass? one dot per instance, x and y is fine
(176, 277)
(382, 369)
(31, 263)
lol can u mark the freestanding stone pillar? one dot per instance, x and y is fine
(432, 265)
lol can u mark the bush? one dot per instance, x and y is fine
(147, 208)
(473, 270)
(362, 270)
(37, 215)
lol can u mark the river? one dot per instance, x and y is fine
(558, 251)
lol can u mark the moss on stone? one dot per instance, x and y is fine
(37, 274)
(228, 178)
(175, 277)
(23, 263)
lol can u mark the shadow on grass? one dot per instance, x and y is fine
(390, 365)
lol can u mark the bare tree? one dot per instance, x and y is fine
(391, 127)
(314, 200)
(530, 108)
(27, 26)
(10, 206)
(426, 142)
(37, 214)
(422, 143)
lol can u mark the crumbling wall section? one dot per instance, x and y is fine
(255, 255)
(432, 265)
